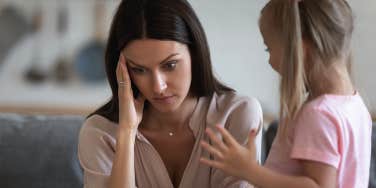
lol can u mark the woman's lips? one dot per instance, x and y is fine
(166, 99)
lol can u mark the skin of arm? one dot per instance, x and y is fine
(240, 161)
(122, 173)
(130, 115)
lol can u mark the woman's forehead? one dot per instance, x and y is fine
(151, 50)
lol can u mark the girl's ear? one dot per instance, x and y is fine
(306, 53)
(305, 48)
(308, 63)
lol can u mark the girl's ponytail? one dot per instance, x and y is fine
(325, 28)
(292, 88)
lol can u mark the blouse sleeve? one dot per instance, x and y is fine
(244, 114)
(95, 154)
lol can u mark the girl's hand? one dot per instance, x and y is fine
(229, 155)
(130, 109)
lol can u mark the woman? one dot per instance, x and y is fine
(164, 97)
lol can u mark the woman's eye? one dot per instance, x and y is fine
(266, 49)
(170, 65)
(137, 70)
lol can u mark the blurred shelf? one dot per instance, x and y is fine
(52, 98)
(32, 110)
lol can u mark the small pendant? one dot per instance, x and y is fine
(171, 134)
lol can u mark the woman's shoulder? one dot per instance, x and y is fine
(96, 145)
(230, 101)
(233, 108)
(97, 124)
(237, 113)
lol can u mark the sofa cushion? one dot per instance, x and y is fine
(39, 151)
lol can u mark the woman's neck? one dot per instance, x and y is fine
(171, 121)
(336, 81)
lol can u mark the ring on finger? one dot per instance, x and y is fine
(122, 83)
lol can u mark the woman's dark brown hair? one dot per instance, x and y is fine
(162, 20)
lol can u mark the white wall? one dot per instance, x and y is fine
(240, 60)
(237, 48)
(364, 50)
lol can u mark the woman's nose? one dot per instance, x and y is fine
(159, 84)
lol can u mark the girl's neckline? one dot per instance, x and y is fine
(354, 94)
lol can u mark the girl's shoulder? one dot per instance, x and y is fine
(334, 109)
(330, 103)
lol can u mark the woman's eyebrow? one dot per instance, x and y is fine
(164, 60)
(133, 63)
(167, 58)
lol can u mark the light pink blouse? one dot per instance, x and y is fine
(97, 142)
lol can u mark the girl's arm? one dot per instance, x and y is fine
(241, 162)
(130, 115)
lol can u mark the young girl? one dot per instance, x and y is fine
(324, 138)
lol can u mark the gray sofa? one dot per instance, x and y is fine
(41, 151)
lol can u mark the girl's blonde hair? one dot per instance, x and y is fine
(325, 26)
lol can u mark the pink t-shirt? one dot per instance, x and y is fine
(332, 129)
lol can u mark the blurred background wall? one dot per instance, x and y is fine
(51, 52)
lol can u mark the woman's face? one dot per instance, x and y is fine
(161, 70)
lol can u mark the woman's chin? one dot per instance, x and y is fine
(165, 106)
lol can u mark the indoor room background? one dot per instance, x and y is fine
(51, 53)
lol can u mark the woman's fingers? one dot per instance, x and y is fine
(130, 108)
(216, 141)
(125, 73)
(119, 75)
(122, 75)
